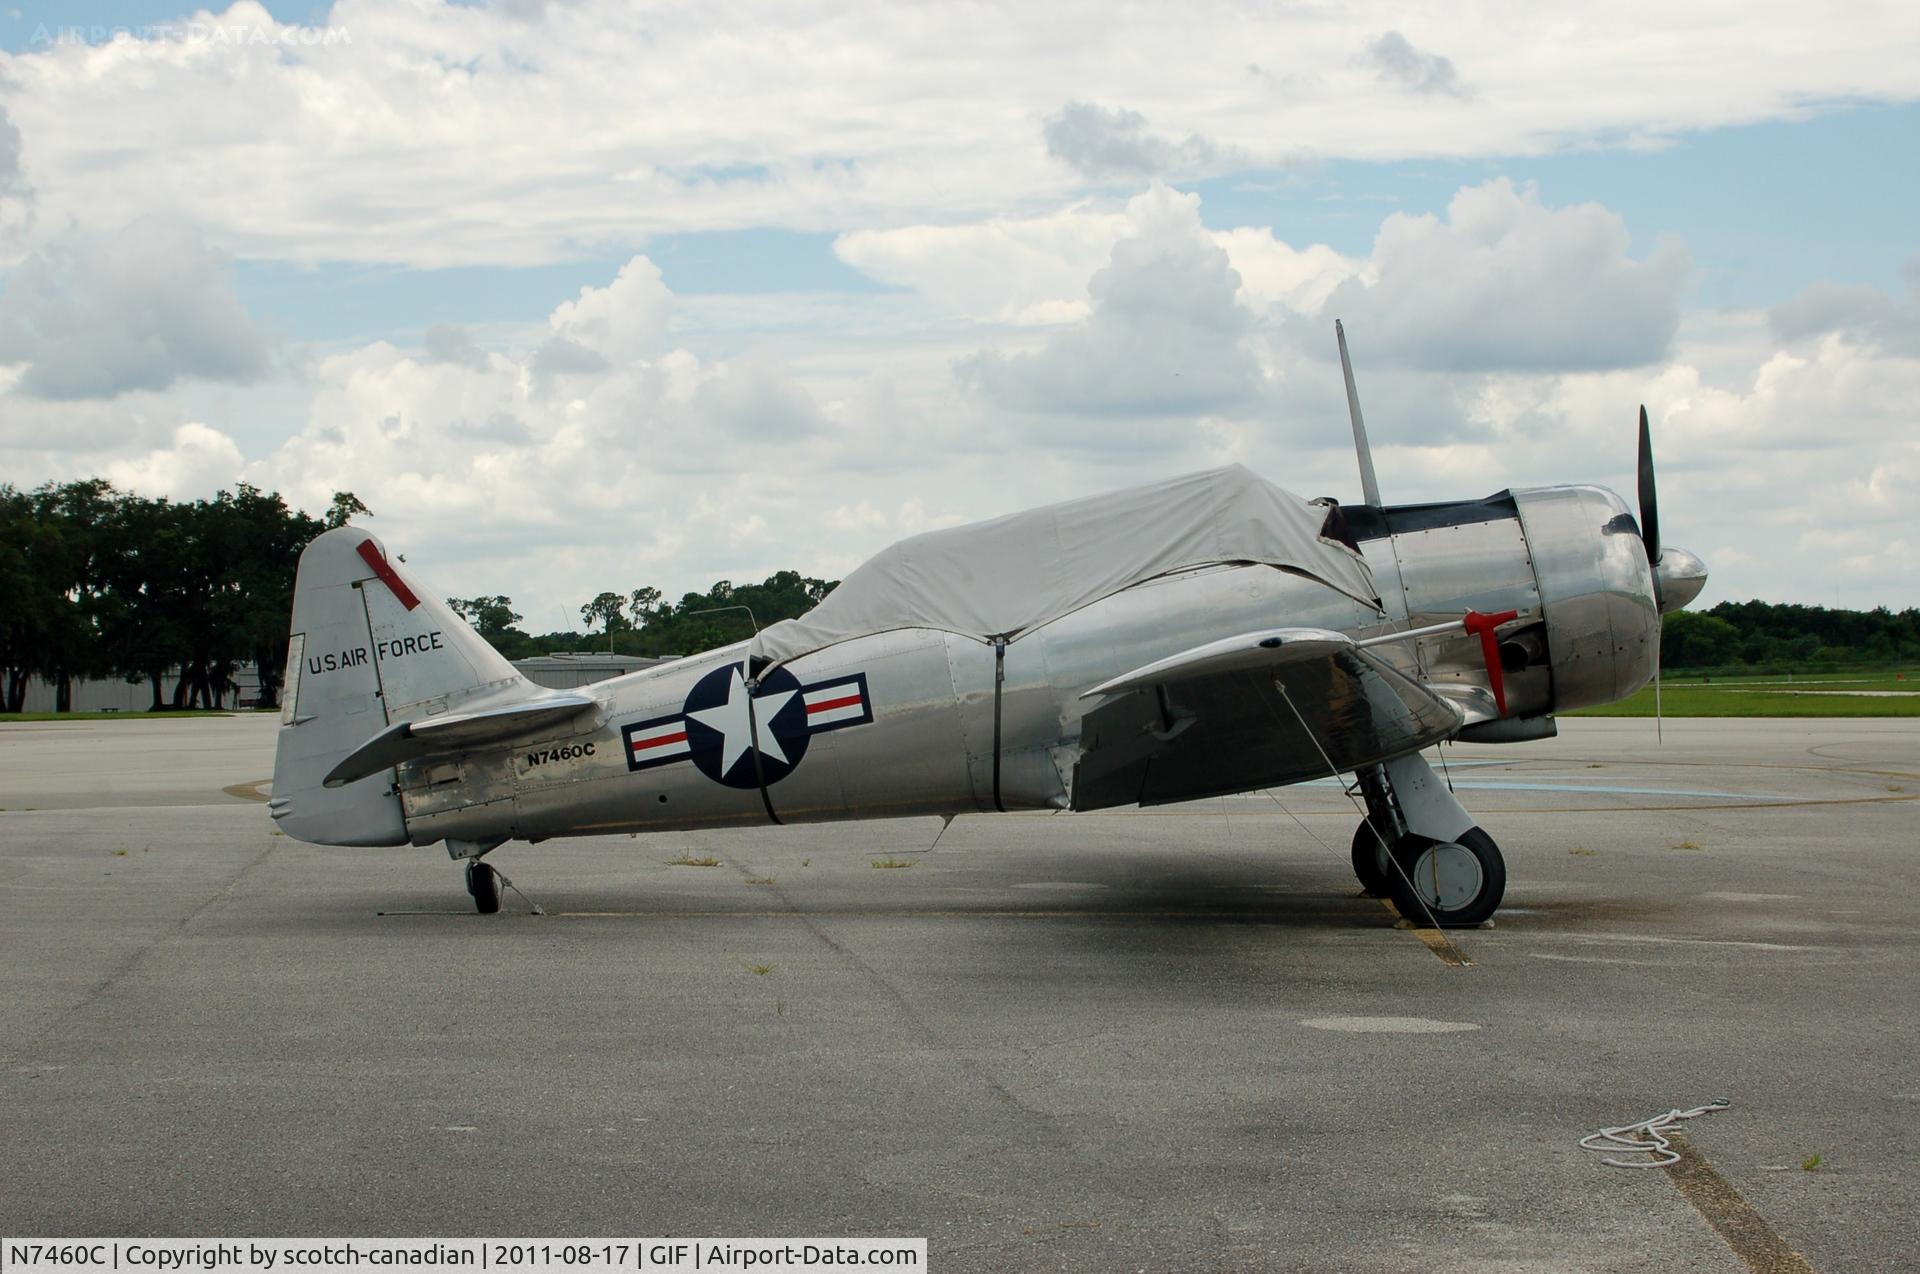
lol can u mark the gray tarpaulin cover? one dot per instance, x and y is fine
(1013, 574)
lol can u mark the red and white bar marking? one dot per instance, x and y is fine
(830, 705)
(659, 742)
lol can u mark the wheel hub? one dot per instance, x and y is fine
(1447, 876)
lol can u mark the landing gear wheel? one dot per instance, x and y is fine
(483, 882)
(1370, 861)
(1454, 884)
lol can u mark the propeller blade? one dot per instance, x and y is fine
(1649, 498)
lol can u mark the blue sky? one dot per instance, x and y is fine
(572, 292)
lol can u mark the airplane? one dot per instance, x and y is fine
(1203, 635)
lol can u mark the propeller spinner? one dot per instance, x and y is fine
(1678, 576)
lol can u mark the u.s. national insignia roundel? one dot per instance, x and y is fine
(728, 744)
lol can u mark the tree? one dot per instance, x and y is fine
(491, 617)
(345, 505)
(644, 604)
(1692, 640)
(607, 608)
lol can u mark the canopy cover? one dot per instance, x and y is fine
(1010, 575)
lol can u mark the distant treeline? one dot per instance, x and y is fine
(101, 583)
(643, 622)
(1783, 636)
(96, 582)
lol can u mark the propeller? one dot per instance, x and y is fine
(1649, 497)
(1650, 536)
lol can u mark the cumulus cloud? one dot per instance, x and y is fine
(623, 321)
(12, 183)
(1506, 283)
(1035, 270)
(1164, 335)
(1274, 273)
(1865, 314)
(1012, 270)
(633, 450)
(449, 343)
(198, 462)
(1396, 61)
(757, 400)
(95, 316)
(1108, 144)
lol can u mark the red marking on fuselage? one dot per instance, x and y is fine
(659, 742)
(372, 556)
(831, 704)
(1483, 626)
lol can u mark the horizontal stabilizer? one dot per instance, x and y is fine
(1265, 649)
(456, 732)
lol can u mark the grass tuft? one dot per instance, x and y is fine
(1810, 1163)
(1582, 851)
(1686, 844)
(891, 861)
(688, 860)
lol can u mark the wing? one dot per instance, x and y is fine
(1215, 719)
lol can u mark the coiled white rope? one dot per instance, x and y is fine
(1646, 1137)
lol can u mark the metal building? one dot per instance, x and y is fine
(580, 668)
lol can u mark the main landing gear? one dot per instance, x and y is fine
(483, 882)
(1419, 847)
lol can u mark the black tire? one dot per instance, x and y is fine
(483, 882)
(1454, 884)
(1370, 861)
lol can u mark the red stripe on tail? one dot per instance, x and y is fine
(370, 553)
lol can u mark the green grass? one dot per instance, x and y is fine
(113, 716)
(1774, 695)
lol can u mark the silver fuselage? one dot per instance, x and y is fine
(954, 730)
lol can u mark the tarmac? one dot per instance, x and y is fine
(1177, 1039)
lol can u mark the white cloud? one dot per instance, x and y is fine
(13, 183)
(1010, 270)
(439, 134)
(1274, 273)
(1394, 58)
(1862, 313)
(1508, 283)
(1108, 145)
(1035, 270)
(622, 321)
(93, 316)
(1165, 334)
(199, 462)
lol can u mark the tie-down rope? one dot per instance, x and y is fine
(1627, 1138)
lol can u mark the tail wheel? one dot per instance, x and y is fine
(483, 882)
(1453, 883)
(1370, 860)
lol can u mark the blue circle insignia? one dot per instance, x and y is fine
(731, 747)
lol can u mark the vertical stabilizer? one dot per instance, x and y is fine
(370, 646)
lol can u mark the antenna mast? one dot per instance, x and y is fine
(1369, 485)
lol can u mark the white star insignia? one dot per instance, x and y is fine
(735, 728)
